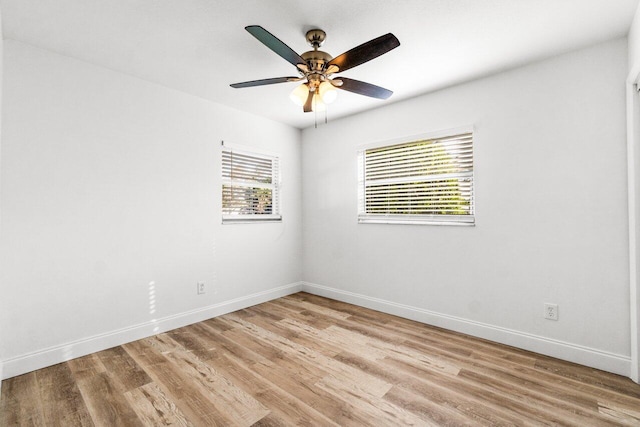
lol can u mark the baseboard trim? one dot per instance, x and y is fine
(62, 353)
(610, 362)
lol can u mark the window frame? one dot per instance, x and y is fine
(274, 186)
(420, 219)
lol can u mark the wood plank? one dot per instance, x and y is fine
(619, 415)
(20, 403)
(197, 343)
(188, 396)
(327, 310)
(270, 420)
(217, 324)
(154, 408)
(383, 350)
(105, 402)
(583, 374)
(123, 368)
(428, 410)
(61, 399)
(281, 402)
(86, 366)
(316, 319)
(487, 370)
(375, 386)
(322, 303)
(375, 408)
(337, 410)
(246, 353)
(481, 403)
(450, 403)
(230, 401)
(564, 404)
(306, 335)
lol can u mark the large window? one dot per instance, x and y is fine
(250, 186)
(419, 181)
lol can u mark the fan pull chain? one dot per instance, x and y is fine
(315, 111)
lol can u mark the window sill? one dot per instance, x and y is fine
(455, 220)
(254, 220)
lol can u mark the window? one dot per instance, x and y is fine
(423, 181)
(250, 186)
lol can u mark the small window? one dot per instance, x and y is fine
(423, 181)
(250, 186)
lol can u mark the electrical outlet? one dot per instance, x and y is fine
(201, 289)
(551, 311)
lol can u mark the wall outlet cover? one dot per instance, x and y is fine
(551, 311)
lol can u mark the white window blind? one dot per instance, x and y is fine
(423, 181)
(250, 186)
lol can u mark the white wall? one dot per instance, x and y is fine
(634, 39)
(551, 212)
(111, 209)
(1, 68)
(633, 157)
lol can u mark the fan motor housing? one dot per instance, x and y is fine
(316, 59)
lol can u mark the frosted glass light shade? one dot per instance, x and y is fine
(299, 95)
(328, 93)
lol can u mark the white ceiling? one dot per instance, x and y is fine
(200, 46)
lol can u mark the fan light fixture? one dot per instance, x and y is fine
(317, 68)
(325, 94)
(299, 94)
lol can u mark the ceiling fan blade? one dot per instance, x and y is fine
(363, 88)
(365, 52)
(275, 44)
(307, 108)
(265, 82)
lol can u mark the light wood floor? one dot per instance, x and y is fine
(308, 360)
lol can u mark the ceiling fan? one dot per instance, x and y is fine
(316, 68)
